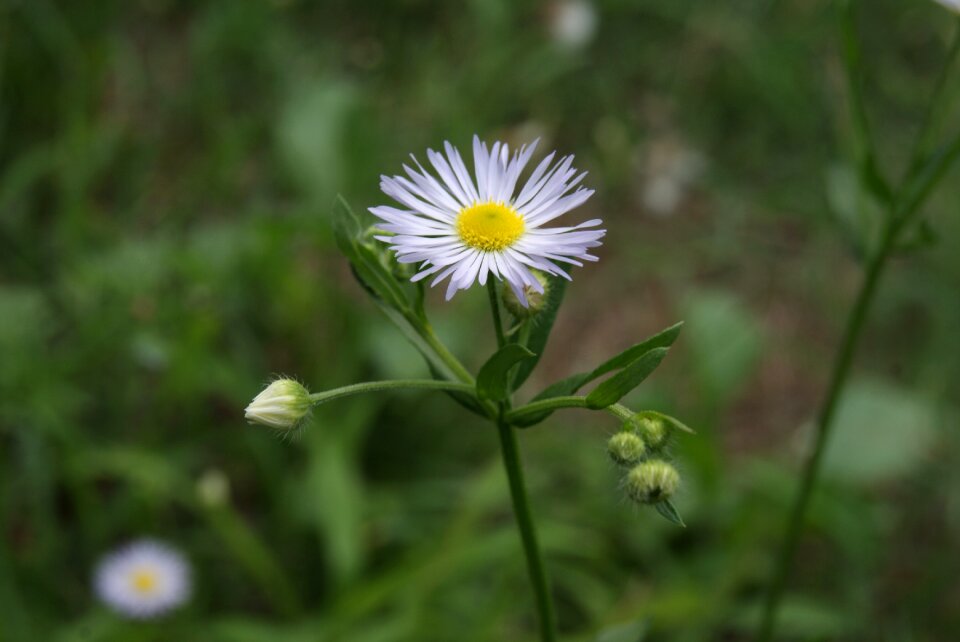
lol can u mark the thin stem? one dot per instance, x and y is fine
(495, 311)
(445, 355)
(811, 471)
(929, 117)
(377, 386)
(555, 403)
(528, 533)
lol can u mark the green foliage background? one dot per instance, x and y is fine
(167, 172)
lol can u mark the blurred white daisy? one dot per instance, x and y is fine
(463, 229)
(951, 4)
(143, 579)
(573, 23)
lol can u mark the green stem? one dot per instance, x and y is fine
(528, 533)
(377, 386)
(811, 471)
(495, 311)
(922, 178)
(556, 403)
(445, 355)
(518, 494)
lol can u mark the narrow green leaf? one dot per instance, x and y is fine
(613, 389)
(669, 512)
(662, 339)
(571, 384)
(375, 278)
(493, 380)
(540, 332)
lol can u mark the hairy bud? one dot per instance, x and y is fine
(535, 300)
(654, 431)
(652, 481)
(626, 448)
(282, 405)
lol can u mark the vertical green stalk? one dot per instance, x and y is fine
(510, 451)
(528, 532)
(811, 471)
(495, 311)
(903, 206)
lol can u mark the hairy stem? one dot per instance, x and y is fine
(377, 386)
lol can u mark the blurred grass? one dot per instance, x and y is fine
(166, 174)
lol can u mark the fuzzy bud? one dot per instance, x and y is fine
(282, 405)
(535, 300)
(652, 481)
(654, 431)
(626, 448)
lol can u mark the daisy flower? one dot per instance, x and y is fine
(951, 4)
(464, 228)
(143, 579)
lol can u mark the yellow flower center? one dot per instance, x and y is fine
(143, 581)
(490, 227)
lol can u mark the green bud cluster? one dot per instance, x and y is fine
(638, 447)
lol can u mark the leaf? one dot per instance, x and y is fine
(366, 265)
(616, 387)
(662, 339)
(493, 381)
(540, 332)
(571, 384)
(669, 512)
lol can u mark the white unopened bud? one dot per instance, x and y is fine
(282, 405)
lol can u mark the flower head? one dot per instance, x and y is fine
(143, 580)
(282, 405)
(463, 228)
(953, 5)
(652, 481)
(626, 448)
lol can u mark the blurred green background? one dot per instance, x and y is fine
(167, 170)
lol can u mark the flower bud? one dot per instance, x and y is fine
(626, 448)
(652, 481)
(282, 405)
(535, 300)
(654, 431)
